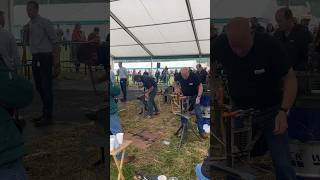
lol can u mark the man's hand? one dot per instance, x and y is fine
(198, 100)
(281, 124)
(146, 96)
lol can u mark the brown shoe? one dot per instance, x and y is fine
(129, 159)
(203, 136)
(43, 122)
(157, 113)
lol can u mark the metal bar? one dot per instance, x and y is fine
(163, 57)
(157, 24)
(193, 26)
(168, 42)
(130, 33)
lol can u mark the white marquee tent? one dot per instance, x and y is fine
(154, 28)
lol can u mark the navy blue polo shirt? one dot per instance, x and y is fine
(296, 45)
(255, 81)
(148, 82)
(189, 87)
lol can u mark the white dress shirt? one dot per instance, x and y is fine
(42, 35)
(123, 74)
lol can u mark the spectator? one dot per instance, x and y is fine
(59, 33)
(115, 125)
(76, 34)
(94, 36)
(8, 47)
(16, 93)
(255, 26)
(270, 29)
(123, 74)
(67, 36)
(43, 41)
(76, 37)
(202, 74)
(157, 75)
(294, 37)
(145, 73)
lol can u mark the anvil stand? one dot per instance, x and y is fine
(228, 165)
(184, 119)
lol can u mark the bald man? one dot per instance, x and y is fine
(295, 38)
(260, 77)
(190, 85)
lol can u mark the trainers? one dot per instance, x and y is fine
(36, 119)
(203, 136)
(43, 122)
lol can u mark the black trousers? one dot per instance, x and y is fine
(123, 84)
(42, 75)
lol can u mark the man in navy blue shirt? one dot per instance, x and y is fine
(260, 76)
(191, 86)
(151, 91)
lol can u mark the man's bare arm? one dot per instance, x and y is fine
(290, 89)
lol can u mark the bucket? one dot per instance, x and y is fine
(305, 158)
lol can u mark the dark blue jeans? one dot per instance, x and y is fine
(42, 75)
(277, 144)
(13, 171)
(152, 106)
(197, 110)
(123, 84)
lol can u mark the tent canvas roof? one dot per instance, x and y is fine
(144, 28)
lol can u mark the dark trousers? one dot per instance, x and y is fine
(277, 144)
(42, 75)
(152, 106)
(123, 84)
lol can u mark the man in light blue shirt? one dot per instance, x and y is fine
(123, 74)
(43, 41)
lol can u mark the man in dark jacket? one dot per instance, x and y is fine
(294, 37)
(15, 93)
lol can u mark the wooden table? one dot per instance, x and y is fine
(121, 149)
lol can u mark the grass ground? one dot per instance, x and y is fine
(160, 159)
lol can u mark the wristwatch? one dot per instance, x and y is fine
(283, 109)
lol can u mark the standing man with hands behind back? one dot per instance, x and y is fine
(43, 41)
(123, 74)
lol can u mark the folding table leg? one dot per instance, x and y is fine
(118, 167)
(121, 163)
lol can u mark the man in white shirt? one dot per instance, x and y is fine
(8, 47)
(67, 35)
(43, 41)
(123, 74)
